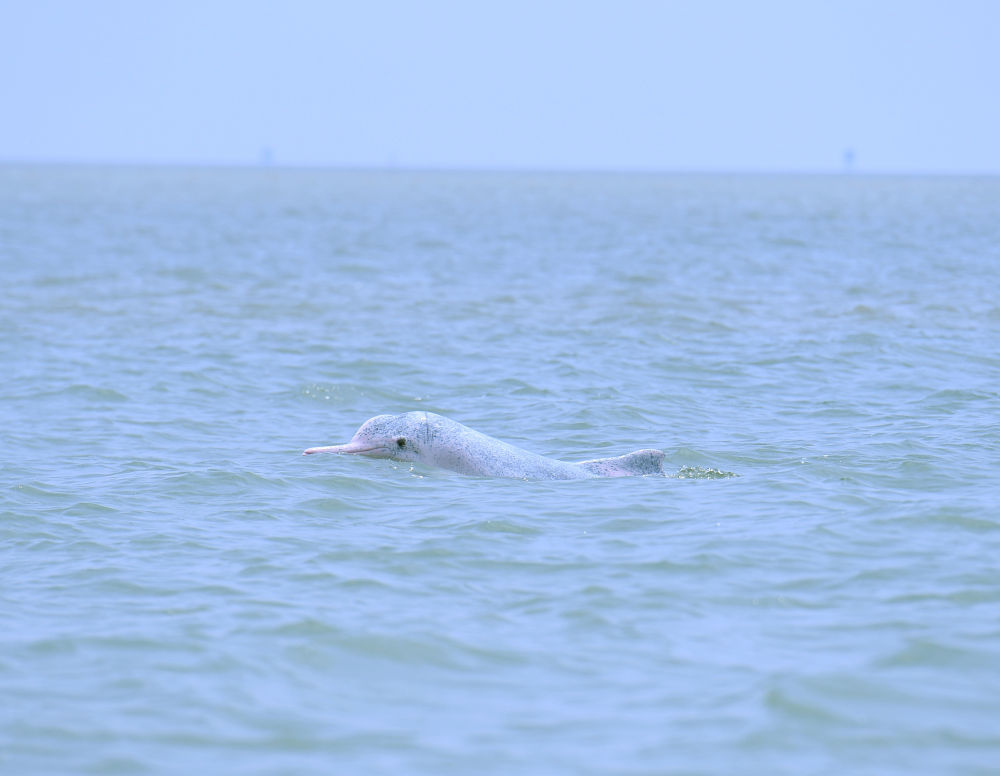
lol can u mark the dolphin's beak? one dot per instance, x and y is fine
(354, 448)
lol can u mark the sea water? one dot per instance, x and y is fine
(813, 588)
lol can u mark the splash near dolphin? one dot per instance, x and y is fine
(439, 441)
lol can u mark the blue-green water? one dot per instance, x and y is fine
(181, 591)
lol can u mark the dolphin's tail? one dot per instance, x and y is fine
(635, 464)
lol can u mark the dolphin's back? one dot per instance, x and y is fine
(467, 451)
(636, 464)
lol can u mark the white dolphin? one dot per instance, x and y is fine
(438, 441)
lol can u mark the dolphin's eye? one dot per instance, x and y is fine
(401, 442)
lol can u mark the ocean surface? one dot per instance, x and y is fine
(813, 589)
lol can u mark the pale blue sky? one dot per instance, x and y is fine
(910, 86)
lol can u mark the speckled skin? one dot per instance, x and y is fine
(438, 441)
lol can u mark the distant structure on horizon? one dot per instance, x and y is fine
(849, 157)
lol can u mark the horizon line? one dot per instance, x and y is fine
(492, 169)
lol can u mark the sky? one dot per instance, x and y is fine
(900, 86)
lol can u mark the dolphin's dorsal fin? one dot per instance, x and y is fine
(635, 464)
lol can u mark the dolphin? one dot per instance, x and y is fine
(439, 441)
